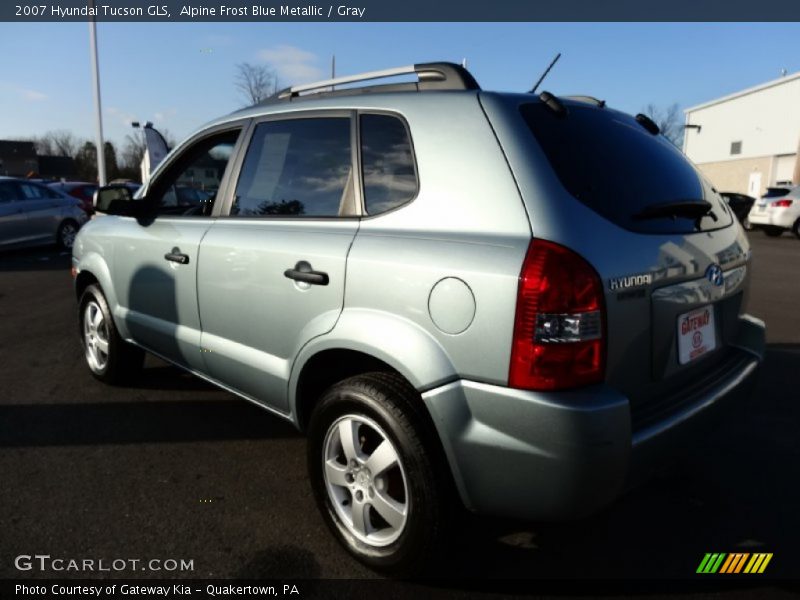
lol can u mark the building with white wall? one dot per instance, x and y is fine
(748, 141)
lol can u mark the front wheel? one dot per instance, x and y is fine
(377, 473)
(110, 358)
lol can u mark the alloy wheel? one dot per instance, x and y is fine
(68, 233)
(365, 480)
(95, 337)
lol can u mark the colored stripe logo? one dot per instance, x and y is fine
(736, 562)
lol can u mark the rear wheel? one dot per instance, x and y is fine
(773, 231)
(377, 473)
(110, 358)
(65, 237)
(796, 228)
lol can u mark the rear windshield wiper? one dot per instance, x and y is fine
(688, 209)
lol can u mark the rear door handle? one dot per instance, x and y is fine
(303, 272)
(177, 256)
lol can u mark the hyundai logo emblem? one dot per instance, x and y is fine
(714, 274)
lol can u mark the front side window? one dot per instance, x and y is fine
(297, 167)
(387, 163)
(190, 185)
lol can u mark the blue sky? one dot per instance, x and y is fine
(182, 75)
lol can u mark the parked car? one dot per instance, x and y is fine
(514, 303)
(81, 190)
(740, 205)
(33, 214)
(131, 185)
(777, 211)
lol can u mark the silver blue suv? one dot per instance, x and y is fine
(513, 303)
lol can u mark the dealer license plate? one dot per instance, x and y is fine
(697, 335)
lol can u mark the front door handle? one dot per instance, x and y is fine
(177, 256)
(304, 273)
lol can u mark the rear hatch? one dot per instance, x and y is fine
(667, 249)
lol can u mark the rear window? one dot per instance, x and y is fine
(613, 165)
(774, 192)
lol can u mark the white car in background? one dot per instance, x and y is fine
(775, 213)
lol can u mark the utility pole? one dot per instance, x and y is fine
(101, 149)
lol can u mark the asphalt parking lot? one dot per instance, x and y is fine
(174, 468)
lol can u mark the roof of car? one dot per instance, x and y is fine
(437, 82)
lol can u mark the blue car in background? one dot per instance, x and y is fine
(32, 214)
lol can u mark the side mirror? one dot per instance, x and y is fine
(114, 200)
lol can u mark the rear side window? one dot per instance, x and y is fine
(387, 163)
(8, 191)
(298, 167)
(613, 165)
(34, 192)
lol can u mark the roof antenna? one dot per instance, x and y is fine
(547, 70)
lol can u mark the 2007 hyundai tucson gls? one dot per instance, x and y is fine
(517, 302)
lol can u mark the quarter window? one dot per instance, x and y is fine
(387, 163)
(298, 167)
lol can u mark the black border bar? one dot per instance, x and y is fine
(400, 11)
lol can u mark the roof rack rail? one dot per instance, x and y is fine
(432, 76)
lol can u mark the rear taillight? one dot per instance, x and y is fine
(785, 203)
(559, 330)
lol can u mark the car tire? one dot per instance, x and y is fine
(796, 229)
(109, 358)
(394, 519)
(65, 236)
(773, 231)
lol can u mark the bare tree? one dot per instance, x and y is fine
(86, 161)
(132, 152)
(255, 82)
(65, 143)
(43, 145)
(669, 121)
(58, 143)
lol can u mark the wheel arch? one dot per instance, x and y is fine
(363, 341)
(93, 269)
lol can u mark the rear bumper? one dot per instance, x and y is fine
(776, 217)
(561, 455)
